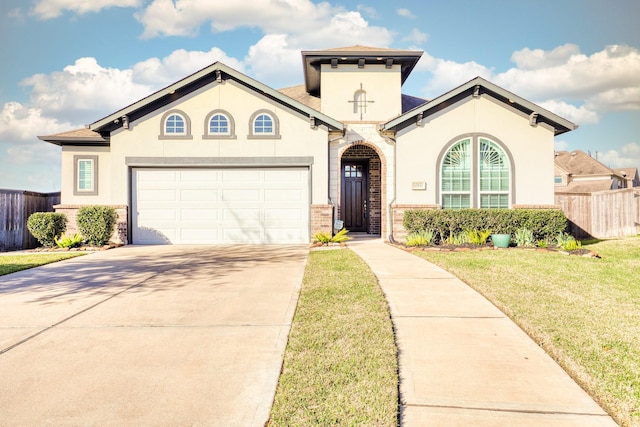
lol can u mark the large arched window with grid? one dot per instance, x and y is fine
(475, 172)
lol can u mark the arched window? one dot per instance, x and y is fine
(456, 176)
(475, 172)
(219, 125)
(494, 175)
(264, 124)
(175, 124)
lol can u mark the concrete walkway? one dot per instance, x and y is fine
(148, 336)
(462, 361)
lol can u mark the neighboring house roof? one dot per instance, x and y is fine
(76, 137)
(361, 55)
(478, 87)
(586, 186)
(630, 174)
(579, 163)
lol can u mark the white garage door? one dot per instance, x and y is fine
(204, 206)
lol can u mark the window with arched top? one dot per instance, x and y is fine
(219, 124)
(264, 124)
(475, 172)
(175, 124)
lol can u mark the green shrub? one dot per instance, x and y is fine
(46, 226)
(478, 237)
(567, 242)
(524, 237)
(96, 223)
(325, 237)
(420, 238)
(544, 223)
(69, 241)
(458, 239)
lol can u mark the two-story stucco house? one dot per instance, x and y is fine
(219, 157)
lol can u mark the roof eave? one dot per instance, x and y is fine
(173, 92)
(560, 124)
(74, 141)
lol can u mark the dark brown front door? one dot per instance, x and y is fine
(355, 189)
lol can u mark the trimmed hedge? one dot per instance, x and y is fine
(46, 227)
(96, 223)
(546, 224)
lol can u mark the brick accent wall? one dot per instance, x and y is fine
(321, 218)
(120, 234)
(397, 216)
(360, 151)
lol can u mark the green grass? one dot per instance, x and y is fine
(12, 263)
(340, 364)
(585, 312)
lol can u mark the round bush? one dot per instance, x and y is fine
(96, 223)
(47, 226)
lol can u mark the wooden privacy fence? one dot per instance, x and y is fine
(602, 214)
(15, 208)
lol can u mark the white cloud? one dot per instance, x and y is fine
(416, 36)
(21, 123)
(184, 17)
(607, 80)
(580, 115)
(368, 11)
(156, 72)
(579, 87)
(84, 90)
(405, 13)
(528, 59)
(628, 156)
(48, 9)
(29, 164)
(449, 74)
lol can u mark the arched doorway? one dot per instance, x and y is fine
(361, 196)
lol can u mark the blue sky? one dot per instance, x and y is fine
(67, 63)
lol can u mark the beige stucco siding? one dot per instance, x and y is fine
(338, 86)
(530, 147)
(104, 176)
(296, 139)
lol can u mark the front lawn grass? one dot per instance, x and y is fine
(12, 263)
(340, 365)
(585, 312)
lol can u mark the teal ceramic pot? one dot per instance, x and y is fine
(501, 240)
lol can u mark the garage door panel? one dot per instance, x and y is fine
(196, 215)
(241, 175)
(281, 215)
(293, 195)
(159, 195)
(241, 195)
(198, 235)
(199, 177)
(248, 205)
(198, 195)
(149, 215)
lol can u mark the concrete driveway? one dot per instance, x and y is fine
(148, 335)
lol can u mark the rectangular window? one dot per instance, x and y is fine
(557, 179)
(85, 175)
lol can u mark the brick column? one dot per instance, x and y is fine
(321, 218)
